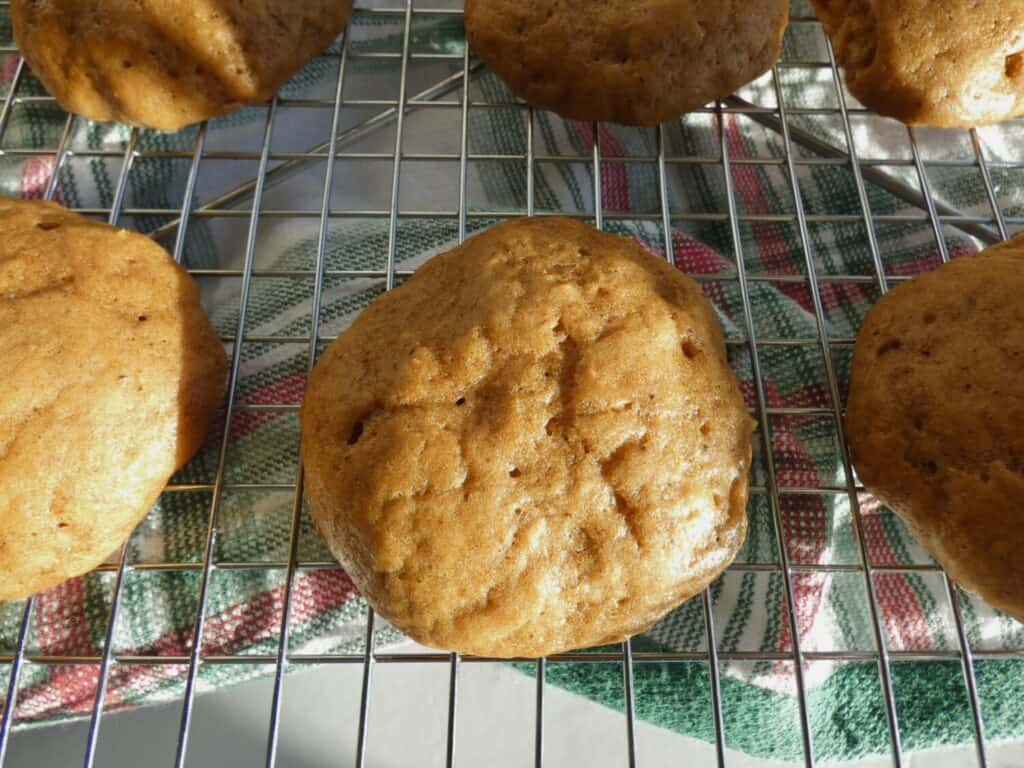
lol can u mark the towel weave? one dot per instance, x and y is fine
(244, 605)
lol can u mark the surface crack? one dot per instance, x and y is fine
(622, 505)
(567, 369)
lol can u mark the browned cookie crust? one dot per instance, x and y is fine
(935, 417)
(952, 63)
(111, 376)
(170, 63)
(638, 62)
(535, 444)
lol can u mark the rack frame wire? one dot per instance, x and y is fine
(246, 203)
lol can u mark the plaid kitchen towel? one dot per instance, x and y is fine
(243, 610)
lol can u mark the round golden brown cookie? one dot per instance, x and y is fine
(535, 444)
(953, 63)
(935, 417)
(112, 376)
(638, 62)
(171, 63)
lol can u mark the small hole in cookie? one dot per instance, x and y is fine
(931, 468)
(47, 225)
(62, 524)
(705, 429)
(514, 472)
(142, 318)
(357, 432)
(889, 346)
(461, 401)
(690, 349)
(929, 318)
(919, 424)
(126, 64)
(1015, 65)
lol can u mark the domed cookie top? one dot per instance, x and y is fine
(171, 63)
(638, 62)
(535, 444)
(112, 373)
(931, 62)
(935, 417)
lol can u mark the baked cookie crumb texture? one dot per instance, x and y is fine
(637, 63)
(935, 417)
(112, 375)
(535, 444)
(171, 63)
(954, 63)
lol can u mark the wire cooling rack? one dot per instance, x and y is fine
(435, 80)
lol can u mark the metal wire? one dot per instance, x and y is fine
(115, 605)
(7, 718)
(966, 661)
(542, 664)
(627, 646)
(709, 625)
(762, 400)
(293, 531)
(18, 660)
(245, 202)
(453, 674)
(195, 655)
(876, 259)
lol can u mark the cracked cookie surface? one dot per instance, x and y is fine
(935, 416)
(535, 444)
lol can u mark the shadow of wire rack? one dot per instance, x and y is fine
(792, 205)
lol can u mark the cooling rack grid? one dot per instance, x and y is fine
(379, 153)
